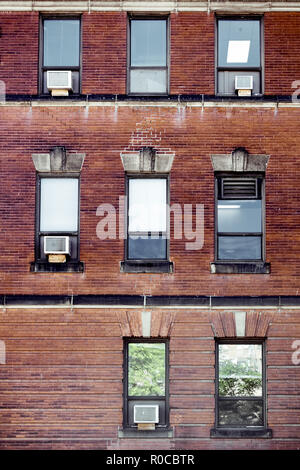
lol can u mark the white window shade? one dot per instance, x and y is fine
(147, 205)
(59, 205)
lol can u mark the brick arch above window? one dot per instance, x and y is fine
(232, 324)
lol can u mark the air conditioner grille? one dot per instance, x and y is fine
(146, 413)
(239, 188)
(59, 79)
(56, 245)
(243, 82)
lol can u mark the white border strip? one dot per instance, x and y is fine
(146, 6)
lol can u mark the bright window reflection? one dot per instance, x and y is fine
(148, 43)
(59, 205)
(238, 51)
(146, 369)
(240, 370)
(239, 216)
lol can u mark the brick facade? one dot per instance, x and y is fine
(61, 386)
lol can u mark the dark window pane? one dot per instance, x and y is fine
(147, 247)
(241, 412)
(240, 370)
(148, 43)
(239, 43)
(146, 369)
(239, 248)
(61, 43)
(236, 215)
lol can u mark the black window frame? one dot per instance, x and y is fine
(43, 69)
(127, 425)
(240, 431)
(218, 68)
(149, 264)
(144, 17)
(41, 263)
(260, 177)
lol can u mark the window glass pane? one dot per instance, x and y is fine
(148, 81)
(61, 43)
(147, 247)
(240, 370)
(146, 369)
(239, 43)
(147, 205)
(148, 43)
(59, 205)
(236, 215)
(241, 412)
(239, 248)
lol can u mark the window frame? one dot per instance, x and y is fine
(249, 428)
(144, 17)
(127, 398)
(42, 68)
(38, 233)
(241, 175)
(148, 260)
(260, 69)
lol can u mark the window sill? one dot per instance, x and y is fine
(162, 433)
(255, 267)
(262, 433)
(45, 267)
(132, 266)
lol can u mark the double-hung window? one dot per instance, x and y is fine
(147, 222)
(60, 54)
(146, 384)
(239, 209)
(239, 57)
(57, 234)
(148, 56)
(240, 389)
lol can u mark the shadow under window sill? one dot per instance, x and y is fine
(240, 267)
(141, 266)
(262, 433)
(46, 267)
(160, 433)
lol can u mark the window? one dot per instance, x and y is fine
(146, 384)
(148, 57)
(239, 56)
(60, 51)
(239, 211)
(57, 224)
(240, 389)
(147, 219)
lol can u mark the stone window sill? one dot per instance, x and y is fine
(240, 433)
(161, 433)
(45, 267)
(132, 266)
(247, 267)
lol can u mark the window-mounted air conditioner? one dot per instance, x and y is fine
(59, 80)
(146, 414)
(243, 84)
(55, 245)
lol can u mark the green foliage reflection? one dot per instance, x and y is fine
(146, 369)
(239, 380)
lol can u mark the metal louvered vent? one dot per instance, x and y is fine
(233, 188)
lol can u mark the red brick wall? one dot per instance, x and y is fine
(192, 53)
(102, 133)
(282, 43)
(104, 53)
(19, 46)
(61, 386)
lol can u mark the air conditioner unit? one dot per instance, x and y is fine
(243, 84)
(59, 80)
(146, 414)
(55, 245)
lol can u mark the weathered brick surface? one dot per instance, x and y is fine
(62, 402)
